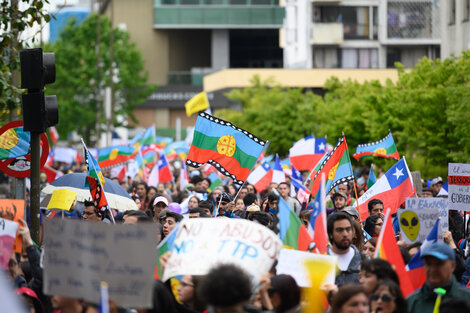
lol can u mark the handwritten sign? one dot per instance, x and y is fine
(202, 243)
(292, 262)
(7, 240)
(62, 199)
(459, 186)
(13, 210)
(78, 255)
(419, 217)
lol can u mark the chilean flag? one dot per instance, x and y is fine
(392, 188)
(317, 223)
(54, 134)
(296, 180)
(306, 152)
(415, 267)
(278, 173)
(261, 176)
(164, 172)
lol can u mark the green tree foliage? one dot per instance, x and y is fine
(77, 75)
(271, 112)
(427, 110)
(12, 22)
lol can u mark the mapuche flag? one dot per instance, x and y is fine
(384, 148)
(230, 149)
(115, 155)
(14, 143)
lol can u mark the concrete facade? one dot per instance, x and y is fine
(455, 27)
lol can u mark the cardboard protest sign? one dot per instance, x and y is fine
(7, 240)
(416, 176)
(13, 210)
(62, 199)
(10, 301)
(420, 215)
(79, 255)
(202, 243)
(292, 262)
(459, 186)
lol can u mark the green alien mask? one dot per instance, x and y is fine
(409, 223)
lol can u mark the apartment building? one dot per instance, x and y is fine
(364, 33)
(455, 27)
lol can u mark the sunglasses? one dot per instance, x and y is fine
(376, 297)
(88, 213)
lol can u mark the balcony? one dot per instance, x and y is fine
(327, 33)
(169, 14)
(194, 77)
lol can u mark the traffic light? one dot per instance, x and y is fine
(37, 70)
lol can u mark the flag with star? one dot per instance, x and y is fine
(230, 149)
(392, 188)
(306, 152)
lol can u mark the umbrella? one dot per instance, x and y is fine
(117, 196)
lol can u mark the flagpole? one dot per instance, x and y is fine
(350, 167)
(99, 181)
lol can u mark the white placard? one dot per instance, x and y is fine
(419, 217)
(7, 240)
(459, 186)
(202, 243)
(78, 255)
(292, 262)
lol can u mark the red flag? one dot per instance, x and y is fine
(387, 249)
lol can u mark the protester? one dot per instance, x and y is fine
(340, 233)
(369, 247)
(373, 225)
(339, 201)
(187, 293)
(376, 207)
(226, 288)
(284, 191)
(169, 220)
(280, 294)
(439, 264)
(350, 299)
(159, 203)
(193, 202)
(373, 271)
(90, 212)
(387, 298)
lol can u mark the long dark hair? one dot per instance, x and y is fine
(369, 226)
(345, 293)
(289, 291)
(381, 268)
(400, 302)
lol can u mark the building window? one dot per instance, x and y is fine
(466, 10)
(359, 58)
(452, 12)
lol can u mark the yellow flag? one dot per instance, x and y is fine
(197, 103)
(62, 199)
(315, 296)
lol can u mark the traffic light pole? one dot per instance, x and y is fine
(35, 186)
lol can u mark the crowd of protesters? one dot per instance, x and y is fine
(362, 284)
